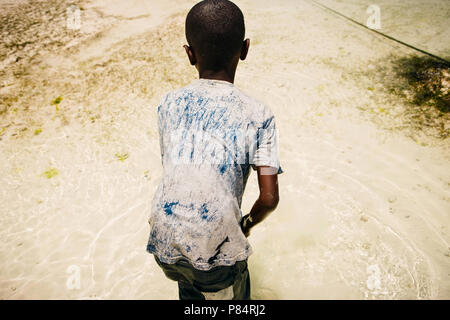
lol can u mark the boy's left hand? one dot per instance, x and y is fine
(245, 225)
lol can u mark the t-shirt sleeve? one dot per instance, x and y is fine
(266, 150)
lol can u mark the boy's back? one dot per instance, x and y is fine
(211, 133)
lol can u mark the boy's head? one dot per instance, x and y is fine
(215, 32)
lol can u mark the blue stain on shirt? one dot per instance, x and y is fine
(168, 207)
(222, 168)
(203, 211)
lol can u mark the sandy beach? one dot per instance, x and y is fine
(364, 207)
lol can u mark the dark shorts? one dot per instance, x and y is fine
(227, 282)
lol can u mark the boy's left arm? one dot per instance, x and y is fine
(267, 200)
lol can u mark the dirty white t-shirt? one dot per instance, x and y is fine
(210, 133)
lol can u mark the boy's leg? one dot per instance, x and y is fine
(241, 286)
(187, 291)
(230, 282)
(184, 277)
(224, 283)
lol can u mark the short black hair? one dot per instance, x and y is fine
(215, 30)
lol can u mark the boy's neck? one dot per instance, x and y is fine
(217, 75)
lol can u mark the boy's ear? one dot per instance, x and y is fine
(244, 50)
(191, 55)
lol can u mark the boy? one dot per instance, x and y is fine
(211, 133)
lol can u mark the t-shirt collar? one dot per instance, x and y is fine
(214, 82)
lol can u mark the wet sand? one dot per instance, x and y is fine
(365, 199)
(422, 24)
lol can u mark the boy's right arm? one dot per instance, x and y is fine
(160, 134)
(267, 200)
